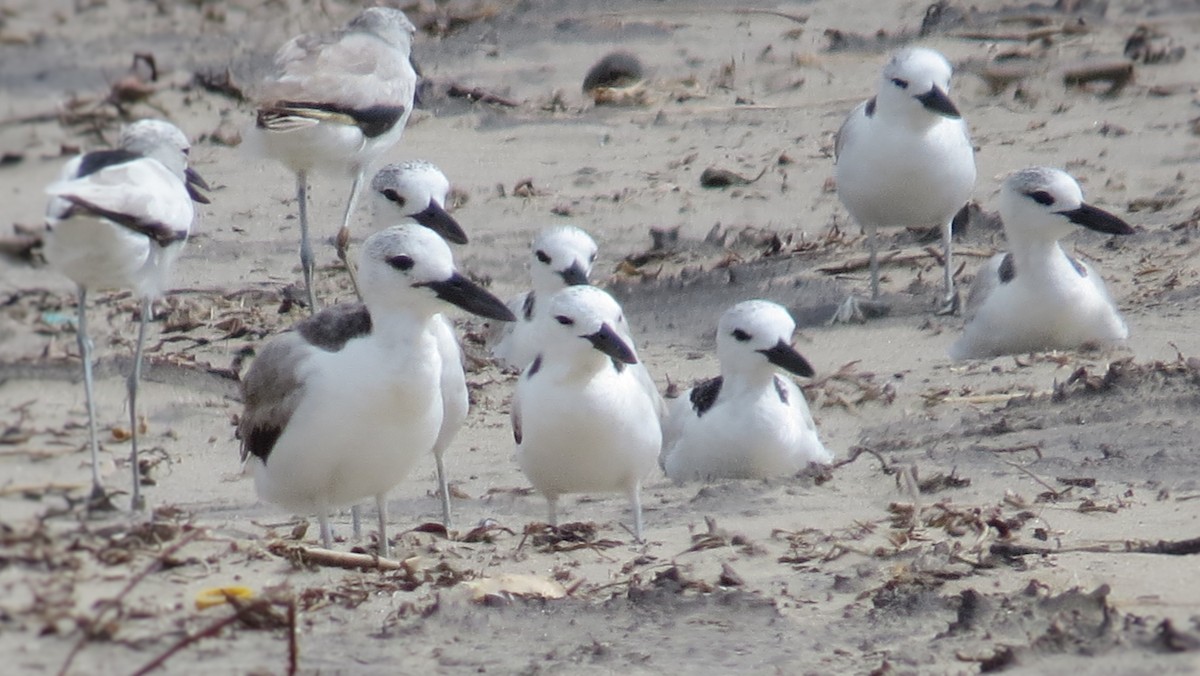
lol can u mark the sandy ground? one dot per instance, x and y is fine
(1025, 514)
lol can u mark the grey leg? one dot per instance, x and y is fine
(854, 310)
(132, 387)
(356, 521)
(385, 549)
(306, 252)
(85, 355)
(635, 498)
(552, 508)
(326, 533)
(871, 244)
(950, 303)
(343, 236)
(444, 488)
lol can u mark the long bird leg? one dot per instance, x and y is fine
(385, 549)
(306, 252)
(97, 500)
(343, 236)
(132, 386)
(950, 303)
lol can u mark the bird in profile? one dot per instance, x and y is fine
(118, 219)
(1036, 297)
(341, 407)
(904, 159)
(750, 422)
(336, 102)
(582, 419)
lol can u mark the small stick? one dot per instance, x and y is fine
(477, 94)
(1034, 477)
(859, 450)
(207, 632)
(328, 557)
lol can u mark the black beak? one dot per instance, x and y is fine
(1097, 219)
(468, 295)
(787, 358)
(193, 182)
(436, 219)
(936, 100)
(607, 341)
(574, 275)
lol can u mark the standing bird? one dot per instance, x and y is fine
(336, 102)
(327, 404)
(118, 219)
(417, 190)
(1036, 297)
(582, 419)
(749, 422)
(562, 256)
(904, 158)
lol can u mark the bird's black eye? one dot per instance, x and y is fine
(592, 258)
(401, 262)
(903, 84)
(741, 335)
(1041, 197)
(542, 256)
(564, 320)
(394, 196)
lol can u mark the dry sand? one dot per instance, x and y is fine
(1037, 550)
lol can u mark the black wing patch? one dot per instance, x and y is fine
(161, 233)
(870, 109)
(1008, 269)
(99, 159)
(781, 390)
(527, 307)
(705, 394)
(331, 328)
(373, 121)
(1079, 267)
(534, 367)
(260, 441)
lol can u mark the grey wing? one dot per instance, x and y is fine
(987, 278)
(356, 71)
(846, 131)
(271, 391)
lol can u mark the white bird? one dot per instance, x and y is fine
(582, 419)
(904, 158)
(562, 256)
(1036, 297)
(342, 407)
(749, 422)
(417, 190)
(336, 102)
(118, 219)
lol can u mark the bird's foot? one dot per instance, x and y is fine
(858, 310)
(99, 500)
(951, 305)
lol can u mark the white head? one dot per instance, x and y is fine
(160, 140)
(755, 336)
(408, 267)
(416, 190)
(561, 256)
(1040, 204)
(389, 24)
(582, 322)
(915, 84)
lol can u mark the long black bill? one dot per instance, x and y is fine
(936, 100)
(574, 275)
(471, 297)
(194, 183)
(607, 341)
(436, 219)
(1094, 218)
(787, 358)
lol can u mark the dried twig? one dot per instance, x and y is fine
(320, 556)
(474, 94)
